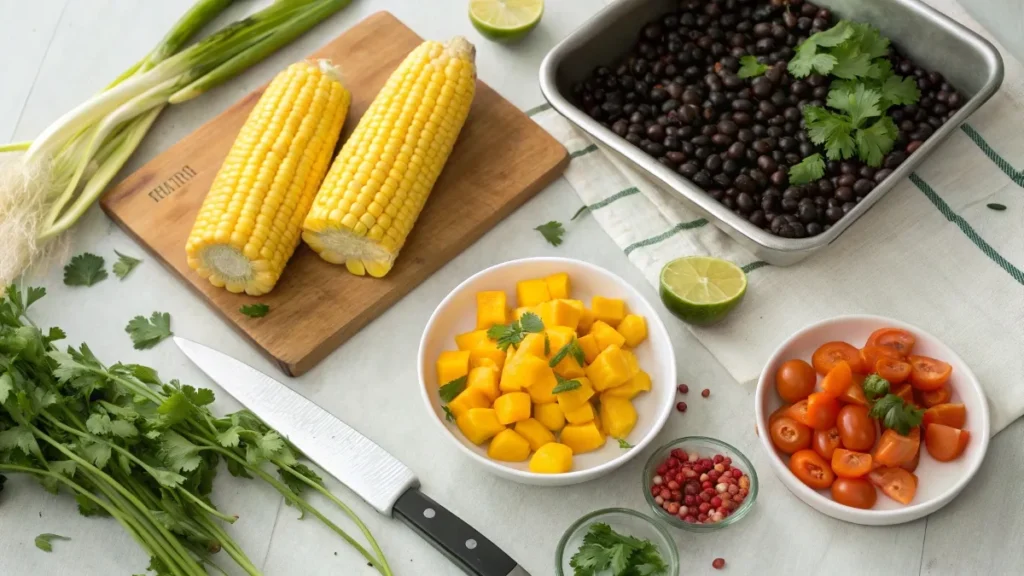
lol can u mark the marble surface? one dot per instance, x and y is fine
(56, 53)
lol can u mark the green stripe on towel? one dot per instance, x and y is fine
(1014, 174)
(666, 234)
(538, 109)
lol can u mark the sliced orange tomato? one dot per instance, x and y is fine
(935, 397)
(811, 469)
(895, 338)
(952, 415)
(870, 355)
(850, 464)
(854, 394)
(896, 483)
(830, 353)
(794, 380)
(894, 370)
(909, 466)
(822, 410)
(894, 449)
(838, 379)
(788, 435)
(798, 412)
(904, 391)
(854, 492)
(779, 413)
(945, 443)
(928, 373)
(856, 427)
(825, 442)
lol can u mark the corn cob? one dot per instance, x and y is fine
(250, 223)
(380, 180)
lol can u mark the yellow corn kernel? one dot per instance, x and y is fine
(634, 329)
(250, 222)
(393, 158)
(490, 308)
(609, 310)
(558, 285)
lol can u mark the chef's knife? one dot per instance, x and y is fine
(366, 468)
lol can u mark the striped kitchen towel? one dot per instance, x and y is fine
(931, 253)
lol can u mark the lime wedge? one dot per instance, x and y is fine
(702, 290)
(505, 19)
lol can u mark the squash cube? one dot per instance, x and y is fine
(634, 329)
(586, 321)
(484, 379)
(558, 285)
(637, 384)
(508, 446)
(479, 424)
(581, 415)
(582, 437)
(474, 340)
(534, 432)
(512, 407)
(590, 348)
(552, 458)
(609, 369)
(532, 345)
(606, 335)
(532, 292)
(469, 398)
(550, 415)
(486, 356)
(490, 308)
(526, 371)
(559, 313)
(573, 399)
(617, 416)
(608, 310)
(452, 364)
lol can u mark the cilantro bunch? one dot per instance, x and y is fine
(605, 551)
(128, 445)
(853, 121)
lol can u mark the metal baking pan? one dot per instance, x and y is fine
(969, 62)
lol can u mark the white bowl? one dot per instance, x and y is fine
(938, 482)
(457, 313)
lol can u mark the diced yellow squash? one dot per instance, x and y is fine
(485, 379)
(486, 356)
(590, 348)
(535, 433)
(580, 415)
(606, 335)
(609, 369)
(532, 292)
(508, 446)
(558, 285)
(518, 312)
(540, 393)
(617, 415)
(634, 329)
(586, 321)
(632, 362)
(573, 399)
(479, 424)
(490, 308)
(637, 384)
(526, 371)
(582, 437)
(551, 458)
(559, 313)
(608, 310)
(451, 365)
(532, 345)
(512, 407)
(474, 340)
(469, 398)
(550, 415)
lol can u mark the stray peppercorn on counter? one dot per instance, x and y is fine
(250, 222)
(378, 184)
(558, 379)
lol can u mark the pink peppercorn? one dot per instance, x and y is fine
(681, 406)
(718, 564)
(683, 388)
(705, 392)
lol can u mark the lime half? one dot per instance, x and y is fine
(505, 19)
(702, 290)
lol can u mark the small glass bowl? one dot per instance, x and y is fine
(623, 521)
(705, 447)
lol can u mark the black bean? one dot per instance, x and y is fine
(731, 167)
(742, 105)
(844, 193)
(744, 183)
(742, 118)
(728, 127)
(721, 140)
(913, 146)
(654, 149)
(834, 213)
(620, 127)
(671, 142)
(675, 157)
(703, 152)
(723, 180)
(745, 135)
(824, 187)
(848, 206)
(787, 144)
(761, 87)
(777, 121)
(954, 101)
(709, 130)
(701, 140)
(703, 179)
(863, 186)
(633, 138)
(847, 180)
(736, 150)
(894, 159)
(688, 113)
(689, 169)
(670, 104)
(766, 163)
(806, 149)
(813, 229)
(759, 130)
(713, 164)
(757, 218)
(745, 202)
(779, 178)
(807, 212)
(882, 174)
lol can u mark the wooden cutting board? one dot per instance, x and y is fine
(501, 159)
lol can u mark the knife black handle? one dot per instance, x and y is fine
(460, 542)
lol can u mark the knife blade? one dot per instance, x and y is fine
(355, 460)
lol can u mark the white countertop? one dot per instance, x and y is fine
(56, 53)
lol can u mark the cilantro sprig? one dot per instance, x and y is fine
(897, 414)
(875, 387)
(606, 551)
(552, 231)
(750, 67)
(124, 265)
(512, 334)
(449, 390)
(565, 385)
(84, 270)
(146, 333)
(255, 310)
(807, 170)
(45, 541)
(572, 348)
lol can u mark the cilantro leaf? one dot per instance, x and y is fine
(874, 142)
(448, 415)
(450, 390)
(896, 414)
(200, 397)
(148, 333)
(868, 40)
(96, 452)
(899, 90)
(807, 170)
(572, 348)
(512, 334)
(565, 385)
(834, 36)
(43, 541)
(807, 61)
(881, 70)
(750, 67)
(255, 310)
(124, 265)
(530, 322)
(547, 345)
(33, 295)
(6, 387)
(850, 62)
(84, 270)
(830, 130)
(87, 507)
(619, 560)
(552, 232)
(859, 104)
(875, 386)
(179, 453)
(229, 438)
(624, 444)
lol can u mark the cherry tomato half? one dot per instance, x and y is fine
(788, 435)
(795, 380)
(952, 415)
(893, 370)
(904, 391)
(945, 443)
(830, 353)
(822, 410)
(838, 379)
(825, 442)
(909, 466)
(935, 397)
(854, 492)
(894, 449)
(798, 412)
(895, 338)
(896, 483)
(850, 464)
(928, 373)
(856, 428)
(854, 394)
(782, 411)
(811, 469)
(870, 355)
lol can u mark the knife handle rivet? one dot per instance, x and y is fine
(429, 513)
(471, 544)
